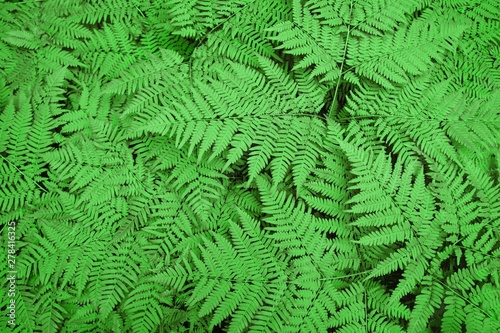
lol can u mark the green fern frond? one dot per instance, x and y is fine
(426, 303)
(157, 31)
(197, 184)
(106, 285)
(305, 36)
(454, 316)
(196, 17)
(380, 17)
(391, 59)
(22, 38)
(25, 310)
(143, 307)
(94, 11)
(143, 74)
(51, 312)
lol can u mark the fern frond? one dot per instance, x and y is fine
(391, 59)
(108, 287)
(482, 310)
(197, 184)
(454, 315)
(22, 38)
(380, 17)
(50, 311)
(426, 303)
(232, 281)
(144, 312)
(413, 275)
(143, 74)
(193, 19)
(25, 310)
(305, 36)
(64, 31)
(94, 11)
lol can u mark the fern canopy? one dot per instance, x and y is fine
(250, 166)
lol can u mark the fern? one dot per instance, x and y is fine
(251, 166)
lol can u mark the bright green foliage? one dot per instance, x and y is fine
(251, 165)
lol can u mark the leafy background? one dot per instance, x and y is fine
(252, 165)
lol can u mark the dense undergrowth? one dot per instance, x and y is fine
(251, 165)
